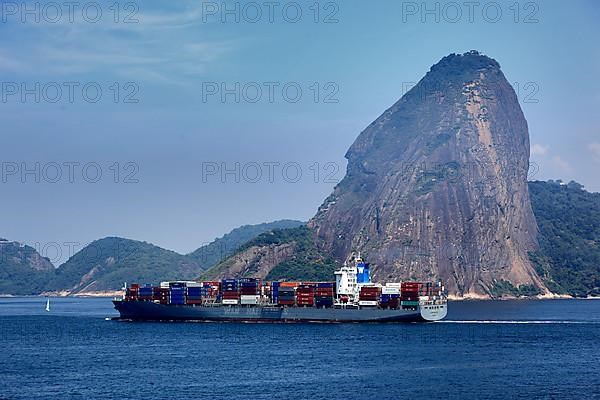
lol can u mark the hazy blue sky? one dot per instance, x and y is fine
(162, 123)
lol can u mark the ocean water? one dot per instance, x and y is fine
(483, 350)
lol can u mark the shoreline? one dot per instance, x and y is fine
(118, 293)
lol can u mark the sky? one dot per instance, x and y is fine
(175, 122)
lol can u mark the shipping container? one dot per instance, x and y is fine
(328, 302)
(230, 301)
(286, 302)
(409, 298)
(367, 303)
(287, 297)
(289, 284)
(325, 285)
(410, 303)
(250, 300)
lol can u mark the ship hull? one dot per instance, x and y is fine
(150, 311)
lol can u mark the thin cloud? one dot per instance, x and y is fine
(107, 48)
(595, 149)
(563, 166)
(539, 150)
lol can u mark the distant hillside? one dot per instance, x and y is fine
(106, 263)
(568, 218)
(23, 271)
(219, 249)
(278, 255)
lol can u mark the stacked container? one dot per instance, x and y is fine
(163, 297)
(230, 291)
(210, 291)
(249, 291)
(286, 295)
(369, 296)
(431, 289)
(194, 295)
(305, 295)
(274, 292)
(390, 297)
(177, 293)
(324, 294)
(146, 292)
(132, 293)
(409, 294)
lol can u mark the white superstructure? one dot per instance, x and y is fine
(345, 282)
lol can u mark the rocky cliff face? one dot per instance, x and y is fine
(437, 185)
(253, 262)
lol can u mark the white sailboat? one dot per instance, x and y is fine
(48, 305)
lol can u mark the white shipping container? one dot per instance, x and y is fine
(250, 297)
(246, 299)
(367, 303)
(230, 301)
(390, 290)
(164, 285)
(393, 284)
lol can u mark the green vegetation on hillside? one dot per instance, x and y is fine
(22, 270)
(503, 287)
(106, 263)
(219, 249)
(569, 221)
(307, 262)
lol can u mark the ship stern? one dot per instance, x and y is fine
(434, 312)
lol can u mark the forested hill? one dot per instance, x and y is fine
(568, 218)
(106, 263)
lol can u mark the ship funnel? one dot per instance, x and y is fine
(363, 274)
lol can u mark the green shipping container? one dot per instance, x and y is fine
(410, 303)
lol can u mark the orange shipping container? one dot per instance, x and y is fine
(289, 284)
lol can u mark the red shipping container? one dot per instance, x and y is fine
(286, 302)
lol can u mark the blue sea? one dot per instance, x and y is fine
(483, 350)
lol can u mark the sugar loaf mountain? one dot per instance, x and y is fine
(437, 185)
(436, 188)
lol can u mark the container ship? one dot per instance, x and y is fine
(351, 298)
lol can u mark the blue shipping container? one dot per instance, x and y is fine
(325, 284)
